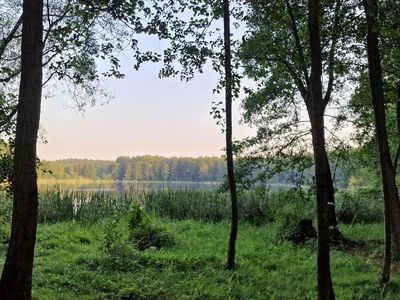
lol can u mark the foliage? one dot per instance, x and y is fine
(289, 215)
(256, 207)
(363, 205)
(94, 257)
(151, 236)
(143, 233)
(71, 264)
(139, 168)
(5, 217)
(276, 57)
(6, 166)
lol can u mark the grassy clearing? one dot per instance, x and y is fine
(73, 263)
(87, 248)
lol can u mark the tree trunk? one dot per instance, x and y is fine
(390, 192)
(330, 188)
(16, 280)
(230, 264)
(322, 172)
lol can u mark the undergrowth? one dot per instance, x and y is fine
(72, 263)
(173, 245)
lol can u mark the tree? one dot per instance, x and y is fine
(228, 134)
(390, 192)
(164, 171)
(75, 34)
(16, 279)
(288, 60)
(276, 56)
(89, 171)
(322, 175)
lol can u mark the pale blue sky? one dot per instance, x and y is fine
(164, 117)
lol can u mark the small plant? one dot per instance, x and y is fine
(144, 234)
(113, 237)
(151, 237)
(289, 220)
(138, 217)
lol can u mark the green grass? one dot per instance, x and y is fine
(88, 251)
(72, 262)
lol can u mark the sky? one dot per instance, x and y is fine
(148, 116)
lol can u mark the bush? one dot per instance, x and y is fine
(137, 217)
(144, 234)
(289, 216)
(151, 236)
(361, 205)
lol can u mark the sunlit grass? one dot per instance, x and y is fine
(71, 264)
(84, 249)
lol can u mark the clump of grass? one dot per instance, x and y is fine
(144, 234)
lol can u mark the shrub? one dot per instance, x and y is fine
(361, 205)
(144, 234)
(137, 217)
(145, 237)
(289, 216)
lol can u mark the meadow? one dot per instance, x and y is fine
(172, 244)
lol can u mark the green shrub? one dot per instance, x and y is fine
(143, 233)
(113, 238)
(138, 217)
(288, 218)
(149, 236)
(361, 205)
(5, 217)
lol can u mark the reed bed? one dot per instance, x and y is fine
(91, 206)
(255, 207)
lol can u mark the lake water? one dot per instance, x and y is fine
(121, 187)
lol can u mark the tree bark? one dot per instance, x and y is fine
(306, 95)
(325, 288)
(390, 192)
(16, 280)
(230, 264)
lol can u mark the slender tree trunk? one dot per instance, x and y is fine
(397, 156)
(16, 280)
(390, 192)
(230, 264)
(330, 188)
(323, 176)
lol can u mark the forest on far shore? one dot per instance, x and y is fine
(140, 168)
(158, 168)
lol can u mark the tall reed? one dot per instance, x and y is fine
(255, 208)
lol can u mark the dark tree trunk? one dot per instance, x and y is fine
(330, 188)
(332, 220)
(16, 280)
(230, 264)
(307, 97)
(322, 172)
(390, 192)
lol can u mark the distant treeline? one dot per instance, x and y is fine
(158, 168)
(140, 168)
